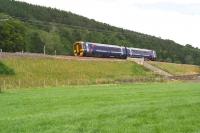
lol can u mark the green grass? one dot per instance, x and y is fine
(34, 72)
(177, 69)
(139, 108)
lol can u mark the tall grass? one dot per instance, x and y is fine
(37, 72)
(177, 69)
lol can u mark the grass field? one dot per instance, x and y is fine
(139, 108)
(177, 69)
(33, 72)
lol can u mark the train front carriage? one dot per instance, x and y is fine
(79, 48)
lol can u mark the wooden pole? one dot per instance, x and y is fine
(4, 85)
(44, 84)
(19, 83)
(56, 82)
(55, 52)
(0, 89)
(44, 50)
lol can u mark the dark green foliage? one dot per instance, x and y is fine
(35, 45)
(27, 11)
(5, 70)
(58, 30)
(12, 36)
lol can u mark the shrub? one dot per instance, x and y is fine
(5, 70)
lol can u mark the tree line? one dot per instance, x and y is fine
(31, 27)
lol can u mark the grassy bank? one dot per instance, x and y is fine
(152, 108)
(177, 69)
(37, 72)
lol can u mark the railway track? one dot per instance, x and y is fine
(36, 55)
(87, 58)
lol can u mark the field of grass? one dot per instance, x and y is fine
(177, 69)
(139, 108)
(34, 72)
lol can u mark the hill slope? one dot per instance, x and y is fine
(58, 30)
(37, 71)
(177, 69)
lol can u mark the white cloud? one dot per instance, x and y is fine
(170, 19)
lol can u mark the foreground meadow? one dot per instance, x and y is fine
(154, 108)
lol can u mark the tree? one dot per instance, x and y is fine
(12, 36)
(36, 45)
(189, 59)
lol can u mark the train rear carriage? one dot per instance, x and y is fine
(141, 53)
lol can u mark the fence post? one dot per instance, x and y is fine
(77, 82)
(0, 89)
(4, 85)
(68, 82)
(44, 50)
(55, 52)
(1, 51)
(19, 83)
(32, 83)
(44, 83)
(56, 82)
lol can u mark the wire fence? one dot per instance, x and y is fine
(18, 84)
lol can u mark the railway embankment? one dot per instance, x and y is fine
(35, 70)
(150, 67)
(171, 71)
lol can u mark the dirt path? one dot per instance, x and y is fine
(154, 69)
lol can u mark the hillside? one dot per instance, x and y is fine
(39, 71)
(58, 30)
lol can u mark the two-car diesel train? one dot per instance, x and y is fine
(90, 49)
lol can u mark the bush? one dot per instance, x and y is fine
(4, 70)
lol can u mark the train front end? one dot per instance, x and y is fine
(79, 49)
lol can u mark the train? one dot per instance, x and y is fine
(90, 49)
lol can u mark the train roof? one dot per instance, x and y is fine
(148, 50)
(107, 45)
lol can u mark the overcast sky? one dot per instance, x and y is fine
(178, 20)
